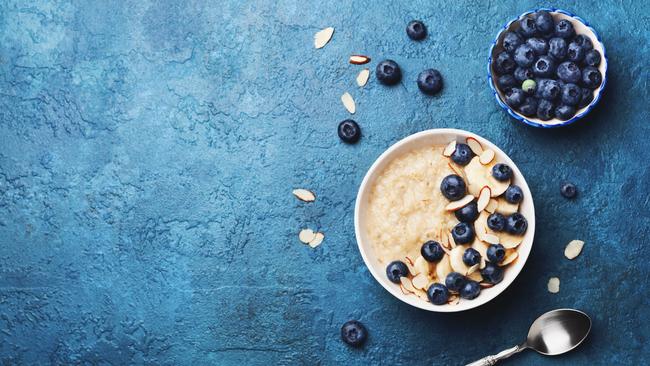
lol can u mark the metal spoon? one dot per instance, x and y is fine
(553, 333)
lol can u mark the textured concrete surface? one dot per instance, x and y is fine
(148, 151)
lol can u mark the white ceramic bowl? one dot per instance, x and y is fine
(581, 27)
(408, 144)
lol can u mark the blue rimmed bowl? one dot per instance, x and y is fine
(581, 27)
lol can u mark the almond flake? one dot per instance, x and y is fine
(490, 238)
(304, 195)
(359, 59)
(408, 285)
(553, 285)
(483, 198)
(573, 249)
(456, 260)
(363, 76)
(456, 170)
(405, 291)
(486, 157)
(453, 298)
(420, 281)
(455, 205)
(510, 241)
(485, 285)
(473, 269)
(475, 146)
(491, 206)
(322, 37)
(409, 265)
(475, 276)
(449, 149)
(318, 239)
(306, 235)
(348, 102)
(421, 266)
(509, 259)
(452, 242)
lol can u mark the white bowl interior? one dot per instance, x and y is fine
(408, 144)
(580, 28)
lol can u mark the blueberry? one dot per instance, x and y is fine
(524, 55)
(592, 58)
(462, 155)
(453, 187)
(471, 256)
(568, 190)
(501, 172)
(584, 42)
(545, 109)
(514, 194)
(514, 97)
(463, 233)
(587, 97)
(564, 29)
(557, 48)
(529, 107)
(454, 281)
(349, 131)
(496, 222)
(388, 72)
(470, 290)
(544, 22)
(548, 89)
(571, 94)
(467, 213)
(395, 270)
(539, 45)
(511, 41)
(569, 72)
(438, 294)
(504, 63)
(495, 253)
(527, 27)
(506, 81)
(544, 66)
(430, 81)
(591, 77)
(516, 224)
(354, 333)
(575, 52)
(492, 273)
(523, 73)
(565, 112)
(432, 251)
(416, 30)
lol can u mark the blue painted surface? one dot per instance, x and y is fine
(148, 151)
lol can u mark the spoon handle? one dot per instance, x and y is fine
(492, 360)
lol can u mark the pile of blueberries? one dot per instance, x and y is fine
(545, 69)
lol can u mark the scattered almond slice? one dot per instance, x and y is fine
(486, 157)
(318, 239)
(306, 235)
(490, 238)
(458, 171)
(422, 294)
(348, 102)
(573, 249)
(510, 241)
(408, 285)
(474, 145)
(405, 291)
(304, 195)
(480, 228)
(483, 198)
(445, 242)
(421, 266)
(359, 59)
(452, 242)
(473, 269)
(453, 298)
(491, 206)
(506, 208)
(485, 285)
(509, 258)
(449, 149)
(363, 76)
(322, 37)
(553, 285)
(420, 281)
(456, 260)
(475, 276)
(455, 205)
(443, 268)
(410, 266)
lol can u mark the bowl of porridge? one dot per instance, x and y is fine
(444, 220)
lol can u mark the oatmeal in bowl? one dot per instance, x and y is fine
(444, 220)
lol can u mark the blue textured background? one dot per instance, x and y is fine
(148, 152)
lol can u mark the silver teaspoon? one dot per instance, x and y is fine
(553, 333)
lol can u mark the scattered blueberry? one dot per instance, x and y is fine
(514, 97)
(470, 290)
(524, 56)
(539, 45)
(467, 213)
(496, 222)
(454, 281)
(592, 58)
(544, 22)
(529, 86)
(354, 333)
(501, 172)
(591, 77)
(492, 273)
(511, 41)
(569, 72)
(395, 270)
(506, 81)
(545, 110)
(495, 253)
(523, 73)
(565, 112)
(349, 131)
(568, 190)
(388, 72)
(544, 67)
(514, 194)
(516, 224)
(462, 155)
(430, 81)
(463, 233)
(527, 27)
(587, 97)
(564, 29)
(571, 94)
(557, 48)
(548, 89)
(504, 63)
(453, 187)
(575, 52)
(471, 256)
(416, 30)
(529, 108)
(432, 251)
(584, 42)
(438, 294)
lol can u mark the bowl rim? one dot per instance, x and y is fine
(524, 248)
(522, 118)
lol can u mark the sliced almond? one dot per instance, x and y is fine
(420, 281)
(306, 235)
(486, 157)
(405, 291)
(483, 198)
(444, 241)
(363, 76)
(456, 260)
(510, 241)
(506, 208)
(473, 269)
(318, 239)
(322, 37)
(449, 149)
(474, 145)
(455, 205)
(359, 59)
(443, 268)
(348, 102)
(457, 170)
(408, 285)
(509, 258)
(421, 266)
(491, 238)
(304, 195)
(452, 242)
(573, 249)
(485, 285)
(553, 285)
(453, 298)
(422, 294)
(475, 276)
(492, 205)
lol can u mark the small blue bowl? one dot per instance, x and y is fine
(582, 27)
